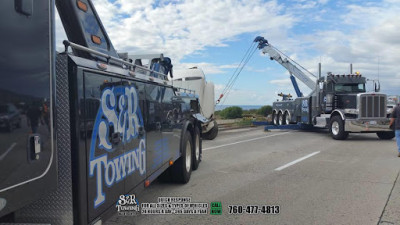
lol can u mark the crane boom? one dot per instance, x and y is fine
(287, 63)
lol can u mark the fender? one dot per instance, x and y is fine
(340, 113)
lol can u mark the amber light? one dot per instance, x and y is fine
(147, 183)
(82, 6)
(171, 162)
(96, 39)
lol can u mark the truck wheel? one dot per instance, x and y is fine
(385, 135)
(274, 118)
(281, 119)
(337, 128)
(197, 149)
(182, 169)
(212, 134)
(287, 118)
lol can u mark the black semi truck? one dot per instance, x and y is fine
(337, 102)
(93, 125)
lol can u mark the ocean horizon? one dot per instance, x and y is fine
(244, 107)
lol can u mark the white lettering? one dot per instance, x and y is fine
(110, 180)
(100, 197)
(120, 167)
(119, 112)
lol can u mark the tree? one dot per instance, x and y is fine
(265, 110)
(232, 112)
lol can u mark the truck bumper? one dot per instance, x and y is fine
(355, 126)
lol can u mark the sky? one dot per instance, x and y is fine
(214, 35)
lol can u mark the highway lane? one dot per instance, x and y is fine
(346, 182)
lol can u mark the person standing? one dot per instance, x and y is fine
(395, 122)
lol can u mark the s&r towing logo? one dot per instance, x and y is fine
(127, 205)
(119, 112)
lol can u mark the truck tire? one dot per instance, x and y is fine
(281, 120)
(385, 135)
(336, 128)
(212, 134)
(274, 118)
(182, 169)
(197, 149)
(287, 118)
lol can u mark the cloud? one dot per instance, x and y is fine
(281, 83)
(208, 68)
(366, 34)
(180, 28)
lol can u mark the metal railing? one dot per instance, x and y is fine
(110, 58)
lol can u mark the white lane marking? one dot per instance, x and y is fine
(253, 139)
(236, 130)
(296, 161)
(242, 136)
(8, 150)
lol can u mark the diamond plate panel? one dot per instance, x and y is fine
(57, 207)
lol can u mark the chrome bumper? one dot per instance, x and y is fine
(352, 125)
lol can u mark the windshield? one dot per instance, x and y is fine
(349, 88)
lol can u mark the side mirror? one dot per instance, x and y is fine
(377, 87)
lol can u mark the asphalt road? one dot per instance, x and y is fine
(313, 178)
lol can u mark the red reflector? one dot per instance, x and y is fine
(147, 183)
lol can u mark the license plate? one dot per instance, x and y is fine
(373, 122)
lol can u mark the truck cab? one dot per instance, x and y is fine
(339, 103)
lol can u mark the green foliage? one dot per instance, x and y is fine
(244, 122)
(232, 112)
(250, 111)
(265, 110)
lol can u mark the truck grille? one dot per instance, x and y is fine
(372, 106)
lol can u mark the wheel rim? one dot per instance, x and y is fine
(335, 128)
(276, 119)
(197, 147)
(287, 118)
(280, 119)
(188, 156)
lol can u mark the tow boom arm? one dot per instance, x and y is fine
(287, 63)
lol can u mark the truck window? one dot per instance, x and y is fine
(349, 88)
(168, 94)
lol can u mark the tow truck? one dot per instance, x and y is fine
(338, 102)
(95, 125)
